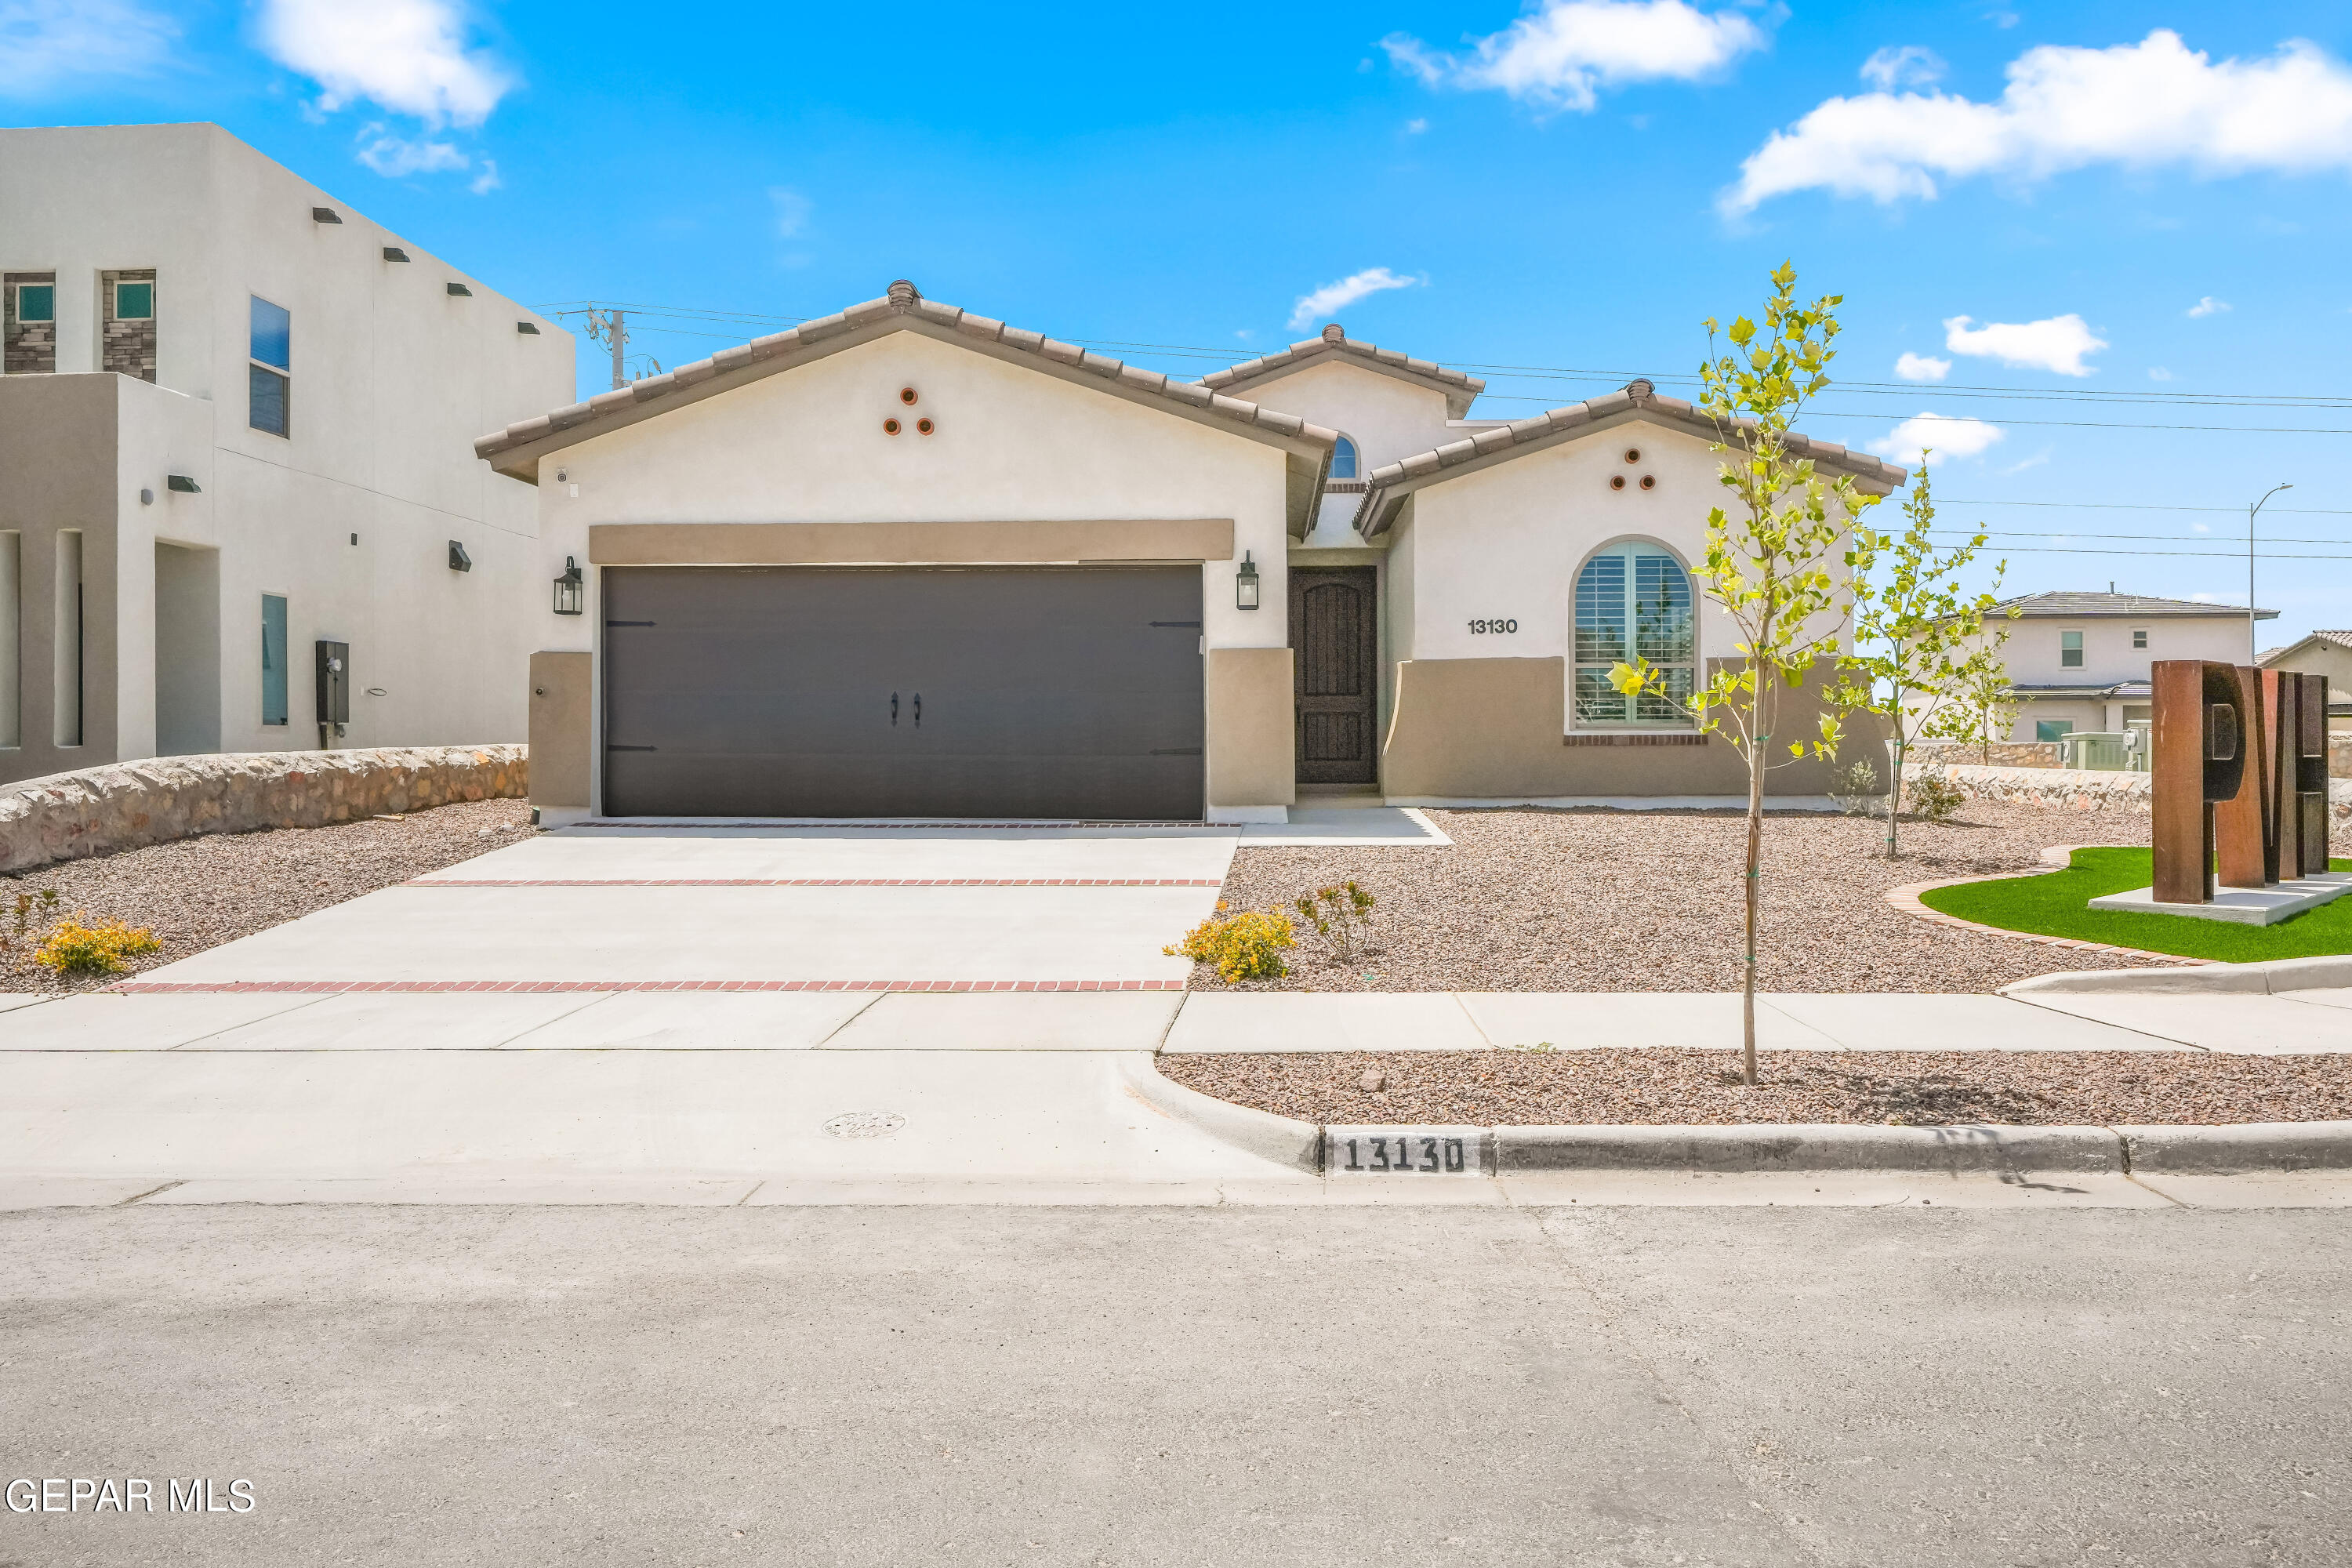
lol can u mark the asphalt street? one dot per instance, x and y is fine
(428, 1385)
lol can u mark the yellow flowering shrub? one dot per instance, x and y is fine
(73, 948)
(1246, 946)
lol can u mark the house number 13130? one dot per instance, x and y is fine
(1483, 627)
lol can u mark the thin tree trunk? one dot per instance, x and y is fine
(1895, 792)
(1755, 857)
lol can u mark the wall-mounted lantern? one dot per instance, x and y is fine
(458, 560)
(570, 590)
(1245, 584)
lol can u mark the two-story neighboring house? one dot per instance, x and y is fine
(2079, 662)
(236, 440)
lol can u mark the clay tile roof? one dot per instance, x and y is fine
(904, 304)
(1637, 397)
(1459, 389)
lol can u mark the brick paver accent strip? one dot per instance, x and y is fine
(438, 987)
(815, 882)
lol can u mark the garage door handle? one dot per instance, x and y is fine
(918, 709)
(894, 710)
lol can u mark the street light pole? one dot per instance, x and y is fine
(2253, 654)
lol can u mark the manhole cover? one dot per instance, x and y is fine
(865, 1124)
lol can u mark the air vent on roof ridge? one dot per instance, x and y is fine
(1335, 333)
(904, 294)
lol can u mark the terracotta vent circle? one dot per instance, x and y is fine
(907, 394)
(1649, 481)
(1616, 481)
(1633, 454)
(923, 426)
(890, 427)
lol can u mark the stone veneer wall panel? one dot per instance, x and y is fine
(2082, 789)
(65, 816)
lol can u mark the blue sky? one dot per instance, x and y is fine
(2119, 215)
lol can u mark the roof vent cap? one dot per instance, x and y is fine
(904, 294)
(1334, 332)
(1639, 388)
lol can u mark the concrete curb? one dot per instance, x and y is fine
(2256, 1146)
(2271, 977)
(1297, 1144)
(1811, 1146)
(1773, 1148)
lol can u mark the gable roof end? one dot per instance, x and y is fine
(1388, 486)
(1459, 389)
(2060, 603)
(516, 450)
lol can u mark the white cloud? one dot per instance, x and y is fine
(488, 180)
(46, 44)
(2208, 306)
(2058, 343)
(1415, 127)
(1943, 435)
(2143, 105)
(792, 209)
(1922, 367)
(2157, 373)
(1338, 296)
(1913, 65)
(396, 156)
(1567, 50)
(408, 55)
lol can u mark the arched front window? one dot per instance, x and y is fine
(1343, 459)
(1632, 601)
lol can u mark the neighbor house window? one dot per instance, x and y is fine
(2053, 729)
(273, 658)
(134, 302)
(2070, 651)
(2139, 637)
(1633, 601)
(36, 302)
(1343, 459)
(267, 378)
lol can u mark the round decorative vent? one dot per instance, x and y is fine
(1616, 481)
(906, 395)
(924, 426)
(890, 427)
(1649, 481)
(1633, 454)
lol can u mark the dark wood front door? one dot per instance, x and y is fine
(1334, 644)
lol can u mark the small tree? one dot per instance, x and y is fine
(1916, 636)
(1983, 705)
(1782, 563)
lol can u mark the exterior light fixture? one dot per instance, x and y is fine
(183, 484)
(325, 215)
(460, 292)
(1245, 584)
(527, 329)
(458, 560)
(570, 590)
(394, 253)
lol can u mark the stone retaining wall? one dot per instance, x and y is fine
(2003, 753)
(2081, 789)
(64, 817)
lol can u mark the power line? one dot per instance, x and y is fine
(2150, 506)
(2151, 538)
(2237, 555)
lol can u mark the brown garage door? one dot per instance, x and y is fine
(842, 691)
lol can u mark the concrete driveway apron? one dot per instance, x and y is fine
(635, 1002)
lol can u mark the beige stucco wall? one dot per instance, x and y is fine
(1484, 727)
(562, 693)
(1252, 736)
(57, 472)
(1388, 418)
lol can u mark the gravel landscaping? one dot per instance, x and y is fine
(1558, 1088)
(197, 893)
(1532, 900)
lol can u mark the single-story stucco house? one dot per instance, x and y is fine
(910, 560)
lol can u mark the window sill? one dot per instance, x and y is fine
(1633, 737)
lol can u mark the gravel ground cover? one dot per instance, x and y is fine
(1532, 900)
(197, 893)
(1547, 1088)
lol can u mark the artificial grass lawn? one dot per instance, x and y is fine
(2053, 904)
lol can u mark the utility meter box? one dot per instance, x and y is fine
(334, 682)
